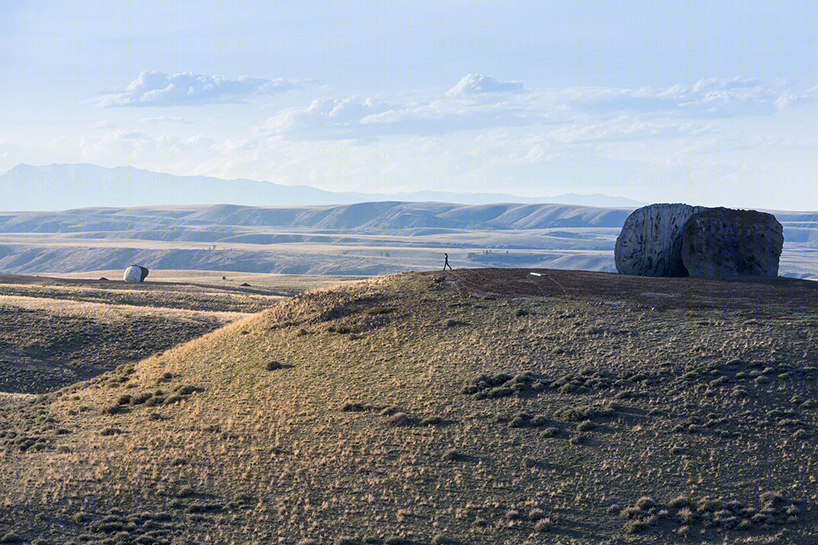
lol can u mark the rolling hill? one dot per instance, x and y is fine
(476, 407)
(55, 332)
(359, 239)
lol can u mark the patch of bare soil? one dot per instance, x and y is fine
(740, 293)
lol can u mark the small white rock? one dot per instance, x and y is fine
(135, 274)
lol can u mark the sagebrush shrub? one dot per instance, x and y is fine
(185, 389)
(114, 409)
(397, 419)
(549, 432)
(543, 525)
(451, 455)
(10, 537)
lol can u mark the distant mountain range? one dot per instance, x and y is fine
(72, 186)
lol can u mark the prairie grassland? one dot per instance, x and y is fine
(55, 333)
(110, 312)
(60, 330)
(272, 285)
(175, 296)
(7, 398)
(398, 410)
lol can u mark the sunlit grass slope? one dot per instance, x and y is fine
(398, 410)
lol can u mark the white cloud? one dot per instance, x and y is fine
(158, 89)
(624, 129)
(325, 119)
(168, 119)
(369, 118)
(472, 84)
(535, 141)
(579, 114)
(707, 98)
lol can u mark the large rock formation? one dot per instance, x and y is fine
(650, 243)
(724, 242)
(135, 274)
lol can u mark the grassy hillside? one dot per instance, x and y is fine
(55, 332)
(405, 410)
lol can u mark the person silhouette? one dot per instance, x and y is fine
(446, 262)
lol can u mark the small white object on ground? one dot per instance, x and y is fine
(135, 274)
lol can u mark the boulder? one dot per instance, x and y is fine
(135, 274)
(650, 243)
(723, 242)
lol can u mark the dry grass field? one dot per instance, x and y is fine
(475, 407)
(58, 331)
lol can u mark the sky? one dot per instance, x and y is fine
(710, 103)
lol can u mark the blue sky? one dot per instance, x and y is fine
(704, 102)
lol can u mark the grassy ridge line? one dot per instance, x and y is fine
(58, 331)
(54, 332)
(157, 297)
(226, 280)
(111, 312)
(259, 447)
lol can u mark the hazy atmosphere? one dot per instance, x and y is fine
(711, 104)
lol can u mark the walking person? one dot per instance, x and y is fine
(446, 262)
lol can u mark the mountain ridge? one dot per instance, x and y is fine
(84, 185)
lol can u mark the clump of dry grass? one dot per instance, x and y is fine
(397, 419)
(273, 365)
(502, 385)
(379, 310)
(452, 455)
(683, 516)
(585, 412)
(549, 432)
(10, 537)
